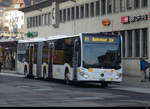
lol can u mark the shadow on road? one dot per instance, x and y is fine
(78, 84)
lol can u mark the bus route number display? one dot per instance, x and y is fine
(99, 39)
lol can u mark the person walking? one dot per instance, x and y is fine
(144, 66)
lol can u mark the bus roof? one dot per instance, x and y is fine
(32, 40)
(8, 40)
(60, 37)
(23, 41)
(68, 36)
(38, 39)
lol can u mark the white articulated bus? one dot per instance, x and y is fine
(87, 57)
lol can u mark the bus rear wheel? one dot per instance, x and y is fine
(44, 76)
(67, 81)
(25, 72)
(27, 75)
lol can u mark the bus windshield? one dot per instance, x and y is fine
(102, 55)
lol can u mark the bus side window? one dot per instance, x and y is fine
(68, 48)
(45, 54)
(27, 55)
(59, 52)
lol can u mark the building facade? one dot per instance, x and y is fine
(1, 18)
(2, 8)
(13, 20)
(130, 18)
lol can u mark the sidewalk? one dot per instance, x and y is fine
(8, 71)
(12, 72)
(135, 82)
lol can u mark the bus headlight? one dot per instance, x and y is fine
(85, 75)
(119, 75)
(81, 73)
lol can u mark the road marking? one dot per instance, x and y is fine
(43, 90)
(23, 86)
(89, 98)
(83, 99)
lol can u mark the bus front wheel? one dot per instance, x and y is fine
(26, 73)
(104, 84)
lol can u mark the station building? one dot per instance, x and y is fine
(130, 18)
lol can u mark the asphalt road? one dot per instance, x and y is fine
(16, 91)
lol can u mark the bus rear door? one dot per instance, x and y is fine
(31, 59)
(50, 62)
(39, 59)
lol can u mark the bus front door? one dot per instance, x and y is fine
(31, 60)
(75, 59)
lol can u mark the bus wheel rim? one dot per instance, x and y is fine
(67, 78)
(45, 77)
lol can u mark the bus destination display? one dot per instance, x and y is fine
(100, 39)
